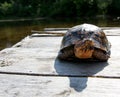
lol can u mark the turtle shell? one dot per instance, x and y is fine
(84, 32)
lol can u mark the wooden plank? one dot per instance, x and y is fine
(112, 32)
(37, 86)
(55, 29)
(52, 33)
(40, 42)
(60, 29)
(37, 55)
(108, 32)
(46, 34)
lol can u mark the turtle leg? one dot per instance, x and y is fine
(100, 55)
(66, 54)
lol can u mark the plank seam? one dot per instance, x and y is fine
(52, 75)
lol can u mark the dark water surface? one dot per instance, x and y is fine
(13, 32)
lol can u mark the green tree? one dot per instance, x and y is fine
(58, 8)
(63, 8)
(102, 5)
(46, 7)
(6, 8)
(86, 7)
(114, 8)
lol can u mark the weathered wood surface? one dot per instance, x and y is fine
(38, 55)
(109, 31)
(30, 69)
(37, 86)
(58, 29)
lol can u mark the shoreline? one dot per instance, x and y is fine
(17, 19)
(20, 19)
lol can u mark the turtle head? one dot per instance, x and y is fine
(84, 49)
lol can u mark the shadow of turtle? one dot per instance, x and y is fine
(78, 72)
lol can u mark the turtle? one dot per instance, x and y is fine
(85, 42)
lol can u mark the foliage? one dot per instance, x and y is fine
(114, 8)
(6, 8)
(102, 5)
(86, 7)
(64, 8)
(58, 8)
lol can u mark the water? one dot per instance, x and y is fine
(13, 32)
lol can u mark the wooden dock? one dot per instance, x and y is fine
(31, 69)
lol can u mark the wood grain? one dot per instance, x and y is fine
(37, 55)
(31, 69)
(37, 86)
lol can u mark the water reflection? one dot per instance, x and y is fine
(12, 32)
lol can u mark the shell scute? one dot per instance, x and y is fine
(79, 35)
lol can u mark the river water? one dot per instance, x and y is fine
(13, 32)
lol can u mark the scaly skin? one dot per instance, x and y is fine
(100, 55)
(84, 50)
(67, 53)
